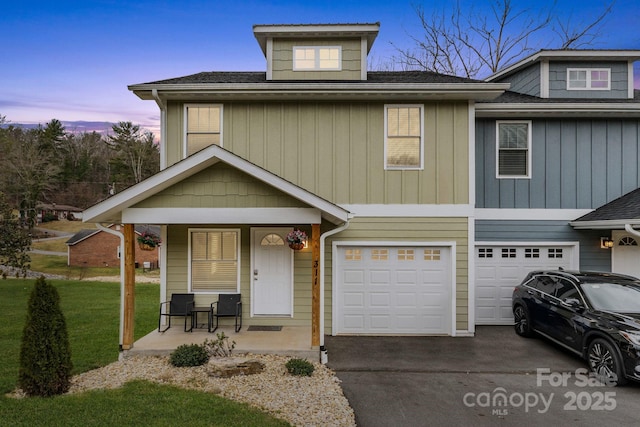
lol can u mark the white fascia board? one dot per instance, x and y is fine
(222, 216)
(554, 108)
(618, 224)
(458, 211)
(530, 214)
(328, 90)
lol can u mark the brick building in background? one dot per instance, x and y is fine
(97, 248)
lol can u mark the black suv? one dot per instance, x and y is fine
(596, 315)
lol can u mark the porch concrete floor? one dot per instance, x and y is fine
(294, 341)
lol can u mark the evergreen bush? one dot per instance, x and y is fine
(45, 353)
(189, 355)
(299, 367)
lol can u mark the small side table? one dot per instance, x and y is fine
(194, 317)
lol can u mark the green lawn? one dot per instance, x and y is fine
(58, 265)
(91, 310)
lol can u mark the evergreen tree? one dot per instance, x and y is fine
(45, 355)
(15, 241)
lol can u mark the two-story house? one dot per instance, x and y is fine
(557, 166)
(376, 167)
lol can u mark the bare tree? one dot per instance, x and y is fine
(469, 43)
(137, 155)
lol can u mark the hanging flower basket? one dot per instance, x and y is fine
(145, 247)
(296, 239)
(148, 241)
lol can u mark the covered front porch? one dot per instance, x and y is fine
(224, 223)
(291, 341)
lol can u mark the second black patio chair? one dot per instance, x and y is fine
(228, 305)
(180, 305)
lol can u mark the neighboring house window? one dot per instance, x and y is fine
(214, 260)
(404, 136)
(588, 79)
(317, 58)
(203, 127)
(513, 154)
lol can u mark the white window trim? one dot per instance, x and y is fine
(386, 109)
(190, 232)
(529, 154)
(317, 58)
(588, 71)
(185, 124)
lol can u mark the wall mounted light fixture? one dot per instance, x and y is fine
(606, 243)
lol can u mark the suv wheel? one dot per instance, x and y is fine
(523, 324)
(604, 362)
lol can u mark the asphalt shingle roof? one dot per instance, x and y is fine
(261, 77)
(624, 207)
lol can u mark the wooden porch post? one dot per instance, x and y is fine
(129, 286)
(315, 288)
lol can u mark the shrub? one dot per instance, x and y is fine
(189, 355)
(299, 367)
(219, 347)
(45, 354)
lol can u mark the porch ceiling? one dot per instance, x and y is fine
(119, 208)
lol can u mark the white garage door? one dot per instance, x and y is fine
(500, 268)
(393, 290)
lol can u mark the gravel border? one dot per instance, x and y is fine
(317, 400)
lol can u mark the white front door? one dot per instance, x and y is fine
(626, 254)
(272, 272)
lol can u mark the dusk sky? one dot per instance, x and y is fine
(73, 60)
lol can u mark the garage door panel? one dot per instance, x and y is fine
(406, 276)
(353, 276)
(406, 291)
(499, 269)
(354, 300)
(379, 277)
(379, 299)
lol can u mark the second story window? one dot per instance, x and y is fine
(513, 153)
(317, 58)
(203, 127)
(404, 137)
(588, 79)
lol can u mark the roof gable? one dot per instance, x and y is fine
(615, 214)
(110, 210)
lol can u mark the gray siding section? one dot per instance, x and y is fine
(591, 256)
(558, 80)
(576, 164)
(525, 81)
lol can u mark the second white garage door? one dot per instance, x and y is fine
(393, 290)
(500, 268)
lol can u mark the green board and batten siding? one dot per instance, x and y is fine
(337, 150)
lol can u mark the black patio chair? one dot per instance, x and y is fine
(179, 305)
(228, 305)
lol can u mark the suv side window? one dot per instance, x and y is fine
(544, 284)
(565, 289)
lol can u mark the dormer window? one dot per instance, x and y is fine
(588, 78)
(317, 58)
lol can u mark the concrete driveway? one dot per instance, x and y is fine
(495, 378)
